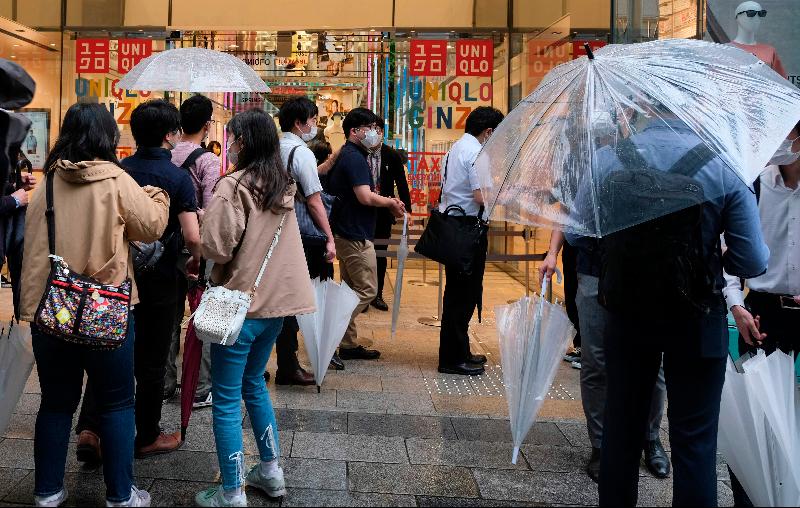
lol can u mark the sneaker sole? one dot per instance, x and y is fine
(277, 494)
(201, 405)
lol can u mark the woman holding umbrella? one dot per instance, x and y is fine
(251, 203)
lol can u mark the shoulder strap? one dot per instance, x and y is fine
(693, 160)
(192, 158)
(301, 195)
(50, 213)
(757, 188)
(444, 179)
(269, 253)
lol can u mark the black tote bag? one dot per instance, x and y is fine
(453, 238)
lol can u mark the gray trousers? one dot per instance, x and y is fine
(171, 379)
(593, 319)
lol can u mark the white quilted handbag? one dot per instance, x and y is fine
(220, 316)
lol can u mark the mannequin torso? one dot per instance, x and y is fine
(746, 37)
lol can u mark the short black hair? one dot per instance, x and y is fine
(296, 108)
(358, 117)
(195, 112)
(321, 149)
(482, 118)
(152, 120)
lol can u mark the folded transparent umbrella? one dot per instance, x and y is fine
(547, 163)
(759, 435)
(193, 70)
(402, 254)
(324, 329)
(534, 334)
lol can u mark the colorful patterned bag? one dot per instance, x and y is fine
(77, 308)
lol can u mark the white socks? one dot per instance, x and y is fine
(269, 469)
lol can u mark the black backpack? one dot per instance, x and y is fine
(658, 264)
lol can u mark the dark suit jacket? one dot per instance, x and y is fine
(392, 173)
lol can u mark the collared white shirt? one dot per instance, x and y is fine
(304, 164)
(460, 176)
(779, 208)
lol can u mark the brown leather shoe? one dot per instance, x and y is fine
(88, 449)
(297, 377)
(165, 443)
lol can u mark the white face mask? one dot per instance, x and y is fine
(371, 139)
(233, 157)
(308, 136)
(784, 155)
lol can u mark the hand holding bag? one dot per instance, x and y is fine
(220, 316)
(77, 308)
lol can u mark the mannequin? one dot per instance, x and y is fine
(334, 133)
(746, 36)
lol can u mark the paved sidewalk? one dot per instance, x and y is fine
(392, 432)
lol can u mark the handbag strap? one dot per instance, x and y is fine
(50, 214)
(269, 253)
(300, 195)
(444, 179)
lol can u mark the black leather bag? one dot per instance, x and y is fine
(453, 238)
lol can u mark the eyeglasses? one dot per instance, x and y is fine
(752, 13)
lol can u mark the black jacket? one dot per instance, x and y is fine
(392, 173)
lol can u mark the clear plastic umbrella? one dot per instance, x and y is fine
(547, 163)
(534, 334)
(193, 70)
(402, 254)
(758, 431)
(323, 329)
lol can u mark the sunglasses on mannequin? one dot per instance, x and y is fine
(752, 14)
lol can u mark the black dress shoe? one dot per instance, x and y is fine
(593, 467)
(479, 359)
(297, 377)
(266, 376)
(655, 458)
(379, 304)
(358, 353)
(464, 369)
(337, 363)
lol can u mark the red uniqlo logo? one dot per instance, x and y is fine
(428, 58)
(92, 55)
(131, 52)
(474, 57)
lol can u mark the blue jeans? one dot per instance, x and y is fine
(237, 372)
(61, 366)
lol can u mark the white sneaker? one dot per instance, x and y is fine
(273, 487)
(202, 402)
(576, 365)
(54, 500)
(138, 498)
(215, 496)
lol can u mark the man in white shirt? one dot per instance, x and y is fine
(770, 315)
(462, 292)
(298, 120)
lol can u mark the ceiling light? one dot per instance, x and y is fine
(13, 56)
(233, 46)
(16, 45)
(52, 43)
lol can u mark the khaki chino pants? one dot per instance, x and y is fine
(359, 270)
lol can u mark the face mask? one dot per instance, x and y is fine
(171, 144)
(233, 157)
(371, 139)
(308, 136)
(784, 155)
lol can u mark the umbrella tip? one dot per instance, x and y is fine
(515, 455)
(183, 434)
(589, 51)
(319, 389)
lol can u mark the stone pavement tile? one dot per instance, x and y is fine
(305, 420)
(315, 474)
(200, 438)
(404, 385)
(556, 459)
(9, 478)
(83, 489)
(383, 368)
(180, 465)
(303, 497)
(18, 453)
(456, 405)
(390, 450)
(456, 502)
(461, 453)
(654, 492)
(400, 425)
(445, 481)
(537, 487)
(474, 429)
(294, 397)
(171, 415)
(175, 492)
(383, 402)
(570, 410)
(28, 404)
(576, 433)
(32, 386)
(21, 426)
(357, 382)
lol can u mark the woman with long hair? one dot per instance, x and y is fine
(251, 210)
(98, 209)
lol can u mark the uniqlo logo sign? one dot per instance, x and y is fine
(131, 51)
(92, 55)
(474, 57)
(428, 58)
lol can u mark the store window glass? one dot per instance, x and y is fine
(646, 20)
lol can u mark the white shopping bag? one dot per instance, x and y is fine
(16, 363)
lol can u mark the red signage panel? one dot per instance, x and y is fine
(428, 57)
(91, 55)
(131, 52)
(474, 57)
